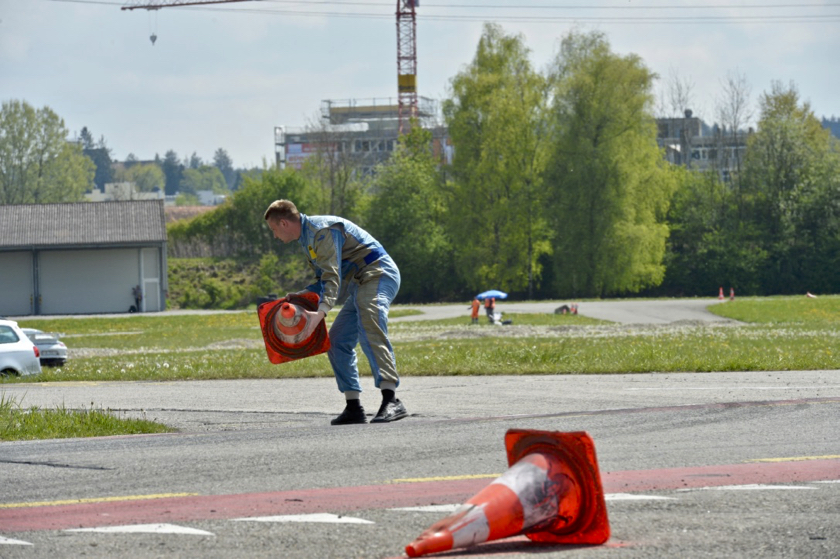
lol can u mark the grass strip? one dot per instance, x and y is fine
(18, 423)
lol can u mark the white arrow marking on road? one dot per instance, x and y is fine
(318, 517)
(749, 487)
(10, 541)
(145, 529)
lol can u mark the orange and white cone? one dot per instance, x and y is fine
(289, 322)
(282, 321)
(720, 294)
(552, 493)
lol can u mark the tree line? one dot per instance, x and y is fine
(38, 165)
(558, 189)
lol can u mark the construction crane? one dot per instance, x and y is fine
(406, 49)
(407, 62)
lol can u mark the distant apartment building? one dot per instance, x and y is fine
(360, 132)
(690, 142)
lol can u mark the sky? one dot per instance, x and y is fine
(224, 76)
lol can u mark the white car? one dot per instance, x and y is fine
(53, 351)
(18, 355)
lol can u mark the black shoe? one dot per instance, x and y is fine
(350, 416)
(390, 411)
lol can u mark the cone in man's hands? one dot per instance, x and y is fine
(551, 493)
(282, 320)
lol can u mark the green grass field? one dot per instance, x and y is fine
(779, 333)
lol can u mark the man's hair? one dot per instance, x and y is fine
(282, 209)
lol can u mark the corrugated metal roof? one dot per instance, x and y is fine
(82, 223)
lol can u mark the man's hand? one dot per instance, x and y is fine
(313, 319)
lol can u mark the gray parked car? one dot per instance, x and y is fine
(18, 355)
(53, 351)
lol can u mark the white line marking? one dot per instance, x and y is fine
(429, 508)
(10, 541)
(828, 481)
(608, 497)
(318, 517)
(145, 529)
(749, 487)
(632, 497)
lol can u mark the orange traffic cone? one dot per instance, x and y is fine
(551, 492)
(810, 295)
(289, 323)
(282, 320)
(720, 294)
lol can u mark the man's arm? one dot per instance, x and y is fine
(328, 245)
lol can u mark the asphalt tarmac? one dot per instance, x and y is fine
(743, 464)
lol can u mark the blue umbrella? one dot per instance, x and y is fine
(495, 293)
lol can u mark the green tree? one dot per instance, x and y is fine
(223, 162)
(37, 163)
(710, 246)
(100, 154)
(407, 214)
(193, 162)
(237, 228)
(791, 174)
(146, 176)
(496, 118)
(203, 178)
(172, 170)
(610, 187)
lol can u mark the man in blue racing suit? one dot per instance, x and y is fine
(353, 270)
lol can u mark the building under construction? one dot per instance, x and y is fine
(362, 133)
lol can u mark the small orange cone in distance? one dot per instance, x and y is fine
(281, 321)
(720, 293)
(552, 493)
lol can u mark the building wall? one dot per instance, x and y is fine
(83, 281)
(16, 285)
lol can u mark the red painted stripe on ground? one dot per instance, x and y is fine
(384, 496)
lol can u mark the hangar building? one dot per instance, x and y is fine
(82, 258)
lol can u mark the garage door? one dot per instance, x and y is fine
(16, 285)
(88, 281)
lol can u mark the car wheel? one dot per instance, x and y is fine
(8, 373)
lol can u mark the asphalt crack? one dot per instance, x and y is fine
(54, 465)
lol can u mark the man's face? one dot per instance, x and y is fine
(283, 230)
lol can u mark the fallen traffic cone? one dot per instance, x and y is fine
(551, 492)
(720, 294)
(282, 320)
(810, 295)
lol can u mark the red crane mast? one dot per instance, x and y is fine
(407, 62)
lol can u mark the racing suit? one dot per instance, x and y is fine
(352, 269)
